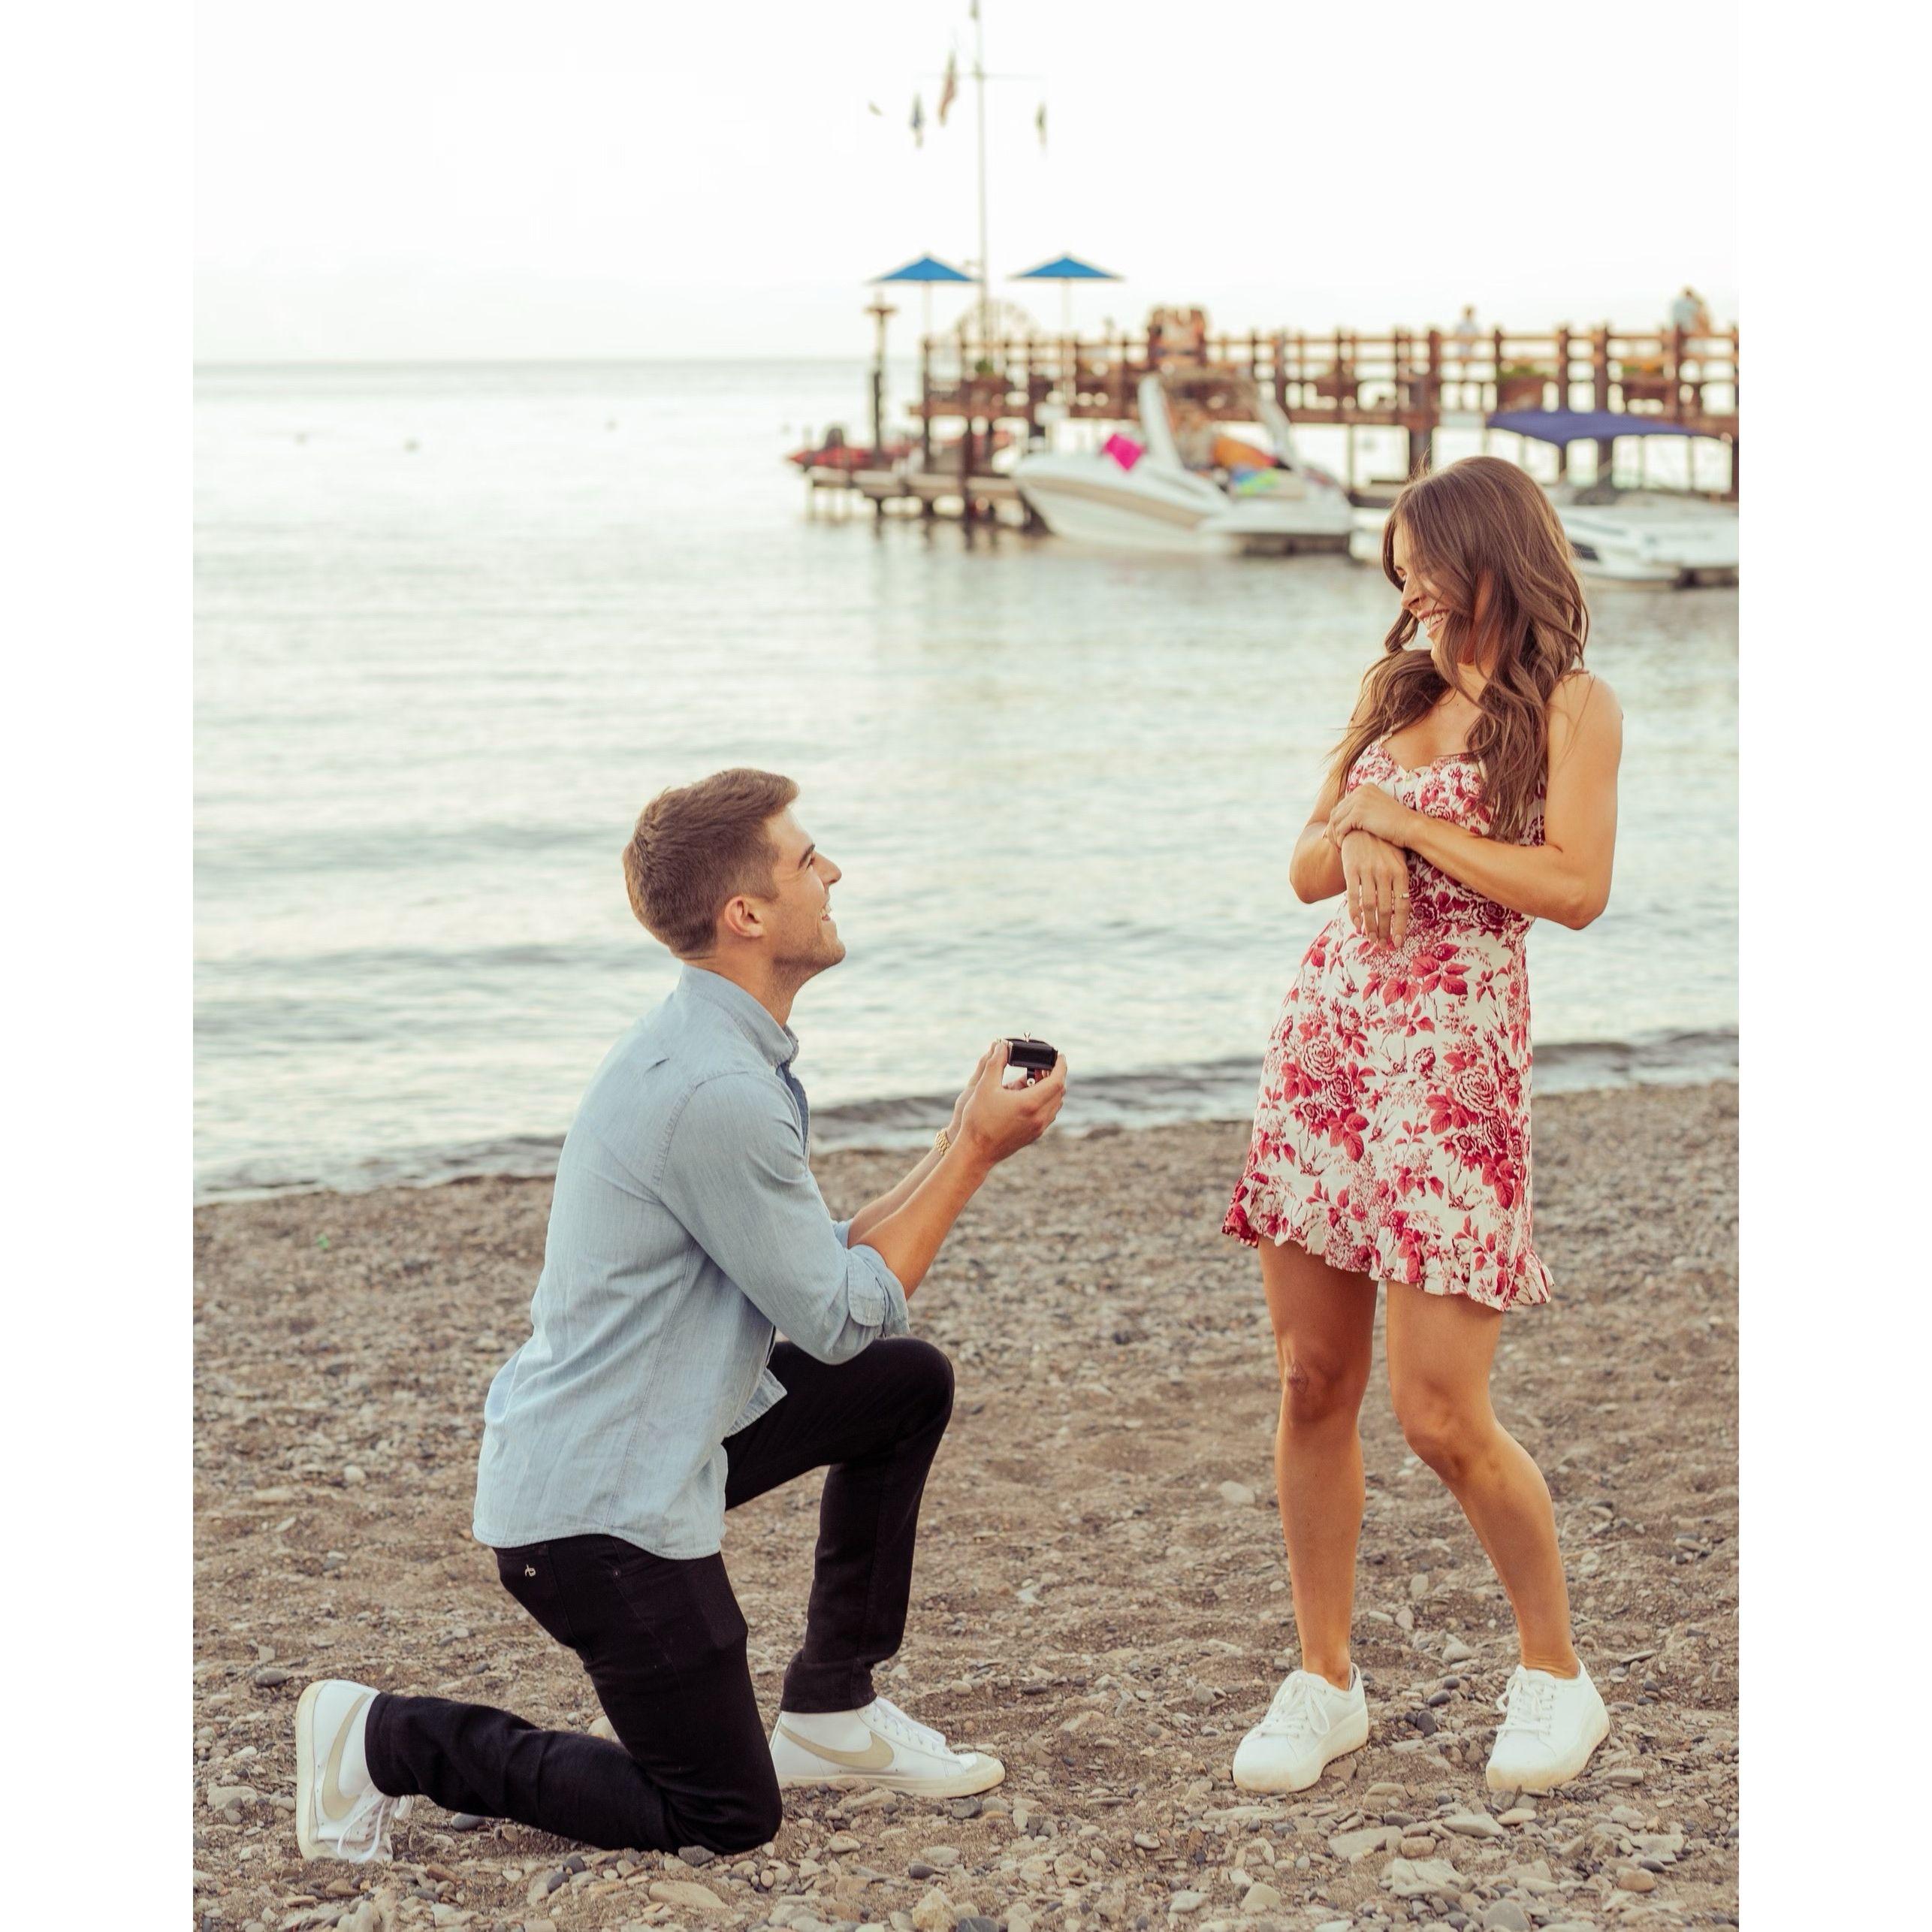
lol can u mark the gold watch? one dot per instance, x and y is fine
(942, 1140)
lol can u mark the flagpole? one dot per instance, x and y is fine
(979, 89)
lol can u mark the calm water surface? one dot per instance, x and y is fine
(454, 626)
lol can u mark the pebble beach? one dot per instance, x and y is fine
(1100, 1598)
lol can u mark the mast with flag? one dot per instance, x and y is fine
(979, 93)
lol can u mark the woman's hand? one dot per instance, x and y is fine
(1376, 876)
(1370, 809)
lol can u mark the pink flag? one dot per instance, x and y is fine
(1123, 450)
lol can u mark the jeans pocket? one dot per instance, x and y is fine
(529, 1574)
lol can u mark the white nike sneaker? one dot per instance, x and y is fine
(879, 1745)
(339, 1812)
(1310, 1724)
(1550, 1725)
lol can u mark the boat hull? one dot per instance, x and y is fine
(1155, 508)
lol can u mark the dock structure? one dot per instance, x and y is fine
(1418, 382)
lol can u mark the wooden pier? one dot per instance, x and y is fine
(1418, 382)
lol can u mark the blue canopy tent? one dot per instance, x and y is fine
(1066, 269)
(1568, 426)
(1601, 426)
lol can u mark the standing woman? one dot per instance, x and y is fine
(1475, 791)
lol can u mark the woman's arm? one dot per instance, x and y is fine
(1566, 878)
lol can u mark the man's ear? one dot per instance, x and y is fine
(740, 919)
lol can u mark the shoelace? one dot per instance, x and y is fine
(1294, 1712)
(1528, 1704)
(890, 1718)
(363, 1835)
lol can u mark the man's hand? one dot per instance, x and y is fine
(959, 1119)
(1376, 874)
(996, 1120)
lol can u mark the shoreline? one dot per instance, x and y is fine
(1193, 1093)
(1100, 1596)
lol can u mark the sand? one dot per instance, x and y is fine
(1100, 1595)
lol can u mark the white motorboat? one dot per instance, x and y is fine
(1649, 536)
(1621, 536)
(1633, 536)
(1160, 504)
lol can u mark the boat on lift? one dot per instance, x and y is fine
(1143, 496)
(1632, 535)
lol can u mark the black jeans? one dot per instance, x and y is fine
(663, 1640)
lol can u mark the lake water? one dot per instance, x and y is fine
(455, 625)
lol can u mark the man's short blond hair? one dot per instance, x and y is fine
(697, 846)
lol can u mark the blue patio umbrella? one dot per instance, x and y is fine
(1066, 269)
(928, 269)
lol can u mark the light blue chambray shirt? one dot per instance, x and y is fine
(686, 1230)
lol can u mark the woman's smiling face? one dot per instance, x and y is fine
(1419, 598)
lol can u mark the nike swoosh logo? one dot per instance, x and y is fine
(333, 1806)
(876, 1756)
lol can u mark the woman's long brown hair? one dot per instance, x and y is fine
(1487, 539)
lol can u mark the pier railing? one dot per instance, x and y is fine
(1415, 380)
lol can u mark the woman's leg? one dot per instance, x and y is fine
(1440, 1347)
(1324, 1323)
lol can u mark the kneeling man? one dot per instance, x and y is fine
(653, 1395)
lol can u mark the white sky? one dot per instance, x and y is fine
(632, 178)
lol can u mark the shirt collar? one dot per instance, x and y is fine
(779, 1044)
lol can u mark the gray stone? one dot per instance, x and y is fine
(1186, 1901)
(1238, 1494)
(1457, 1652)
(1420, 1878)
(1261, 1898)
(1473, 1824)
(696, 1855)
(691, 1896)
(934, 1912)
(1354, 1845)
(975, 1921)
(945, 1857)
(1506, 1916)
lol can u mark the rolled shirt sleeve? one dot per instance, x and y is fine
(735, 1173)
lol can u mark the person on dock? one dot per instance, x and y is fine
(653, 1396)
(1691, 313)
(1474, 792)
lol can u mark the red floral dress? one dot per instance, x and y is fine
(1392, 1132)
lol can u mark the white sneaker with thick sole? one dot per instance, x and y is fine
(339, 1812)
(1550, 1725)
(879, 1745)
(1309, 1725)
